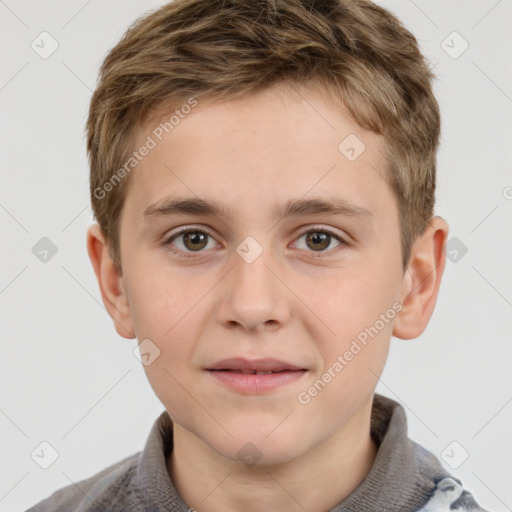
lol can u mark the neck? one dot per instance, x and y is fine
(316, 481)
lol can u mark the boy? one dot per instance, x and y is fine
(257, 130)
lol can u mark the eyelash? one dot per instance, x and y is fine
(191, 254)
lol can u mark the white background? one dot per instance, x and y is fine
(69, 379)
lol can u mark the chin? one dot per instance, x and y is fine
(253, 446)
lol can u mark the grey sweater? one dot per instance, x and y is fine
(405, 477)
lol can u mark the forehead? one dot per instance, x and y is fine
(259, 151)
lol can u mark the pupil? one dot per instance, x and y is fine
(316, 237)
(195, 238)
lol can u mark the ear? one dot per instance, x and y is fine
(421, 280)
(110, 282)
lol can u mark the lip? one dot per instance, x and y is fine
(230, 372)
(258, 365)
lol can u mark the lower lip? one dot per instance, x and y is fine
(253, 384)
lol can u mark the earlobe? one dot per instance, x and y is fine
(110, 281)
(422, 280)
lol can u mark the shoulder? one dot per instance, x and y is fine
(85, 495)
(447, 492)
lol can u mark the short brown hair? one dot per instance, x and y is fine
(359, 53)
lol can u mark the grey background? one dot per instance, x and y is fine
(67, 378)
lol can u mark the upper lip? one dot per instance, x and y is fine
(258, 365)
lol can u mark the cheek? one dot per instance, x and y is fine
(352, 303)
(162, 301)
(170, 321)
(352, 367)
(169, 316)
(359, 309)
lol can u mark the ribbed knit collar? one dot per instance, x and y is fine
(402, 477)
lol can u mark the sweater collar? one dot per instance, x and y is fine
(403, 472)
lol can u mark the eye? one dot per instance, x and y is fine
(190, 240)
(319, 239)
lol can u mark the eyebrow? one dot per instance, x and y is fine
(294, 207)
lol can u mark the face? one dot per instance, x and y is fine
(305, 292)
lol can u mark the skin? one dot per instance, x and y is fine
(298, 302)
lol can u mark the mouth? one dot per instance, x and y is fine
(255, 376)
(242, 365)
(251, 372)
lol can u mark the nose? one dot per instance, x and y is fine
(254, 295)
